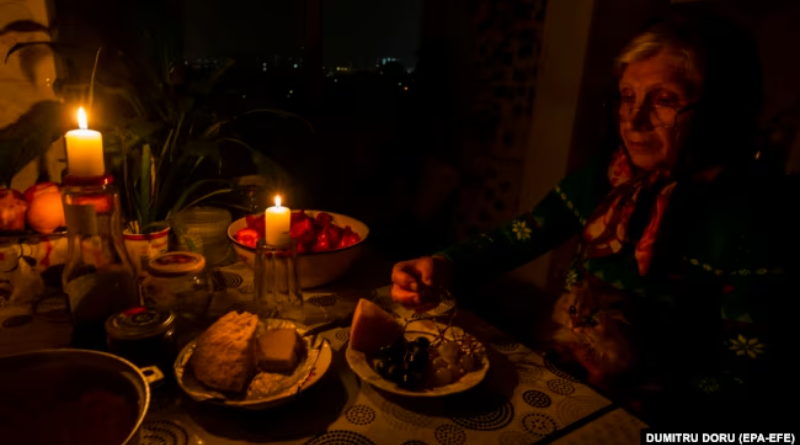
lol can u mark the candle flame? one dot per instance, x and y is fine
(82, 119)
(277, 201)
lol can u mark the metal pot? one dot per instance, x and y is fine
(58, 395)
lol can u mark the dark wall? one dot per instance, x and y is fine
(613, 24)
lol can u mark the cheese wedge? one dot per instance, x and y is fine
(372, 328)
(224, 358)
(278, 350)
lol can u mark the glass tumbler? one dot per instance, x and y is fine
(277, 283)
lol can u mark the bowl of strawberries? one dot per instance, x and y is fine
(327, 243)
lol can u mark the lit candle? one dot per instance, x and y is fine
(277, 223)
(84, 150)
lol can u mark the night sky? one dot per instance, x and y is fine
(357, 31)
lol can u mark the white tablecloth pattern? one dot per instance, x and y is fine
(524, 399)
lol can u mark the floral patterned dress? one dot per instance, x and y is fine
(723, 264)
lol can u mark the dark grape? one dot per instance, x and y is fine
(399, 345)
(384, 352)
(382, 368)
(394, 373)
(409, 381)
(423, 342)
(418, 362)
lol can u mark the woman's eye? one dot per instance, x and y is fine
(591, 322)
(666, 101)
(627, 98)
(572, 310)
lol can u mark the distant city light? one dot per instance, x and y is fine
(405, 88)
(244, 96)
(335, 80)
(399, 84)
(264, 69)
(291, 91)
(295, 65)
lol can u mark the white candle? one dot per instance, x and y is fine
(277, 223)
(84, 150)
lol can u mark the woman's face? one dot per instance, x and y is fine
(654, 94)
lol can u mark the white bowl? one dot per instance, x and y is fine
(315, 268)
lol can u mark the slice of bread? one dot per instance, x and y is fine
(224, 358)
(278, 350)
(372, 328)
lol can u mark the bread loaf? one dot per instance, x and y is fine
(224, 358)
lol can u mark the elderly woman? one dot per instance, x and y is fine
(674, 214)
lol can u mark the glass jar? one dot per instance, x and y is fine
(145, 337)
(179, 282)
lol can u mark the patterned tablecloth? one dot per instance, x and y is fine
(523, 400)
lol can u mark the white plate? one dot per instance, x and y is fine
(361, 364)
(280, 388)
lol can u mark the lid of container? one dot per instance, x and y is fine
(177, 263)
(138, 323)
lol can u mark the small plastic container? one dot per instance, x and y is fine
(179, 282)
(145, 337)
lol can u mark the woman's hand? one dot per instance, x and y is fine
(410, 279)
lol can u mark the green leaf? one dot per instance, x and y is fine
(144, 186)
(205, 197)
(29, 137)
(180, 206)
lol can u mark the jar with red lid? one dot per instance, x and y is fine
(145, 337)
(179, 282)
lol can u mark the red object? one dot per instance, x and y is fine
(101, 203)
(136, 310)
(86, 181)
(298, 216)
(251, 219)
(323, 219)
(12, 210)
(728, 289)
(247, 236)
(348, 237)
(334, 235)
(318, 234)
(40, 188)
(323, 243)
(303, 232)
(257, 223)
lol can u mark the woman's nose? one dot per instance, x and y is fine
(640, 117)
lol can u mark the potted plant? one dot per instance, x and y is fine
(163, 131)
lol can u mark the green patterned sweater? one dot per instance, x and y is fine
(726, 260)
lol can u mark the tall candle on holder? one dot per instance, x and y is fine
(98, 277)
(84, 150)
(277, 222)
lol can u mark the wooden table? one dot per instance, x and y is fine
(524, 399)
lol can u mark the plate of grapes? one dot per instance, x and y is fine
(416, 358)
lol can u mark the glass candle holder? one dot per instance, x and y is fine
(277, 283)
